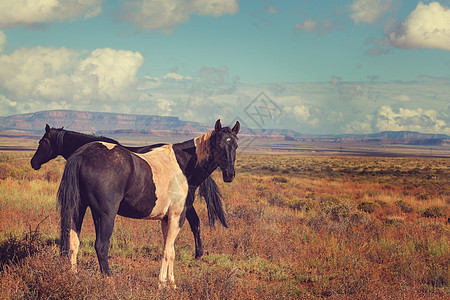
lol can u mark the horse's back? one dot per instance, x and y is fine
(112, 179)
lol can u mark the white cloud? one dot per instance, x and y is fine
(359, 127)
(108, 72)
(369, 11)
(272, 10)
(349, 91)
(386, 118)
(27, 73)
(311, 117)
(214, 8)
(419, 119)
(15, 13)
(156, 104)
(149, 82)
(308, 25)
(107, 80)
(428, 26)
(97, 10)
(165, 14)
(302, 112)
(55, 74)
(403, 98)
(216, 75)
(2, 40)
(7, 101)
(176, 76)
(318, 26)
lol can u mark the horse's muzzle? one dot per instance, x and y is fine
(35, 165)
(227, 175)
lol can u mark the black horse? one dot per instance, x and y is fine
(57, 141)
(112, 180)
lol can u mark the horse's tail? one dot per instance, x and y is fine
(210, 191)
(69, 200)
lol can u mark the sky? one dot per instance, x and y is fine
(313, 66)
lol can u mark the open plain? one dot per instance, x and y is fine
(308, 225)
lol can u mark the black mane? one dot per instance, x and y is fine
(66, 142)
(84, 136)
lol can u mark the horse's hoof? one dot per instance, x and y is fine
(165, 285)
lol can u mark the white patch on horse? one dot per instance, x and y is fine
(170, 183)
(108, 145)
(171, 192)
(74, 244)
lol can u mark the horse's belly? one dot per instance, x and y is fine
(137, 208)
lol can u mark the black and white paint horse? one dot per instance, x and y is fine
(57, 141)
(154, 185)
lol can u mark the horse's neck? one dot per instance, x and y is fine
(187, 158)
(71, 142)
(206, 167)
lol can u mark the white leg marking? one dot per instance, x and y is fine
(171, 230)
(163, 271)
(74, 245)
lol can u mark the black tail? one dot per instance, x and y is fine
(69, 199)
(213, 197)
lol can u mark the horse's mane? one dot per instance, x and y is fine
(202, 146)
(94, 137)
(60, 132)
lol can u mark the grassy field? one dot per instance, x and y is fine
(299, 227)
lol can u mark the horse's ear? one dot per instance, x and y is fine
(218, 126)
(47, 128)
(236, 128)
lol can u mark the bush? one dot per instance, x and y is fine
(434, 212)
(280, 179)
(300, 204)
(368, 206)
(404, 206)
(277, 200)
(14, 249)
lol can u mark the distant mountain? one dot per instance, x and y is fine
(113, 123)
(97, 122)
(399, 135)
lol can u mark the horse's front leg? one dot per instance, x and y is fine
(194, 222)
(170, 226)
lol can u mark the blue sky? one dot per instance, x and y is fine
(354, 66)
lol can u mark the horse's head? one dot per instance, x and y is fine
(223, 147)
(47, 150)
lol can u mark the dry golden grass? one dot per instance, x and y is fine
(299, 227)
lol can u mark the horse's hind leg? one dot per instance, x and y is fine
(194, 222)
(104, 224)
(74, 236)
